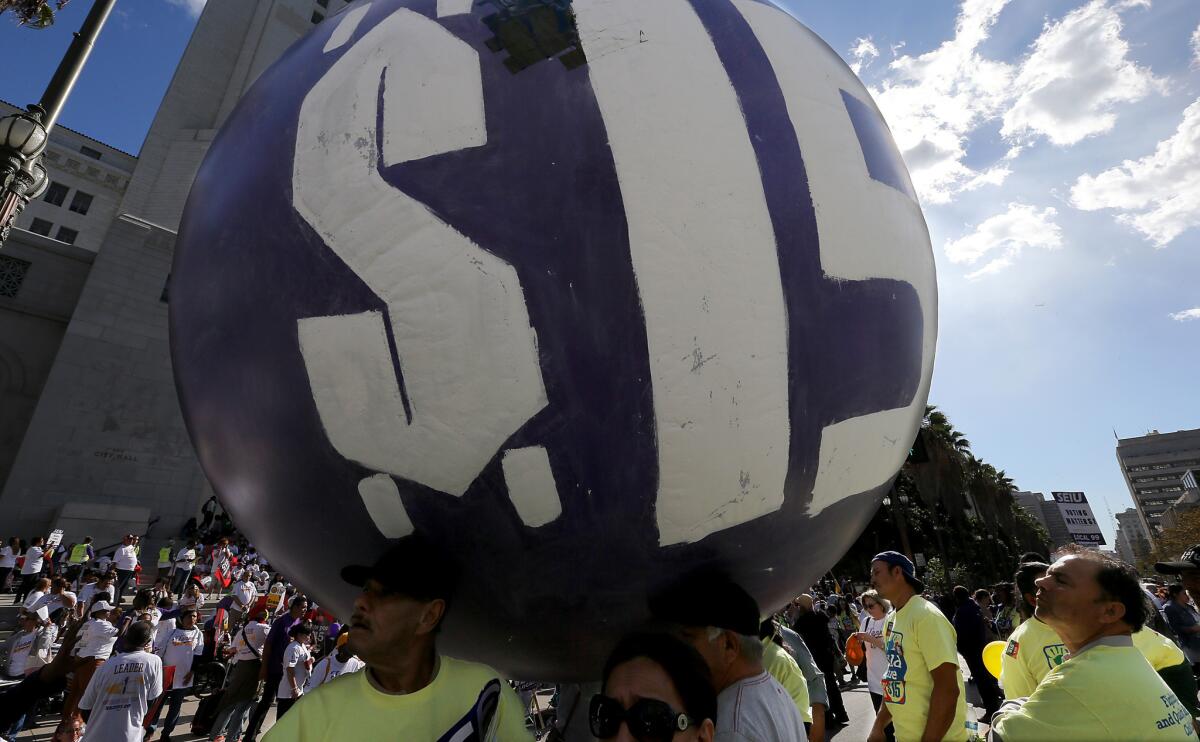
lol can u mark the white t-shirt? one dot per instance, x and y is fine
(86, 591)
(119, 695)
(256, 633)
(33, 561)
(329, 668)
(184, 558)
(192, 601)
(32, 599)
(758, 709)
(96, 639)
(126, 557)
(296, 656)
(180, 648)
(103, 562)
(19, 654)
(52, 602)
(43, 649)
(245, 594)
(89, 592)
(7, 558)
(162, 631)
(876, 657)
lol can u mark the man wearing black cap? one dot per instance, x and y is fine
(1188, 569)
(408, 691)
(1181, 617)
(721, 621)
(923, 689)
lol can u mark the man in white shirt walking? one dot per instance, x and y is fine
(244, 595)
(126, 561)
(95, 645)
(179, 649)
(721, 620)
(31, 570)
(122, 690)
(185, 559)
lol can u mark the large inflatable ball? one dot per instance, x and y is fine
(593, 293)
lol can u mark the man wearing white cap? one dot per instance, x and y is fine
(96, 641)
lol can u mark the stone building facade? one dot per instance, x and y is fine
(103, 446)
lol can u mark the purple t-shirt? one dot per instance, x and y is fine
(278, 640)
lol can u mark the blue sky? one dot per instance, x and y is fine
(1056, 148)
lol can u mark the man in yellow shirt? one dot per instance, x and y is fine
(1034, 649)
(1105, 689)
(407, 691)
(923, 693)
(784, 668)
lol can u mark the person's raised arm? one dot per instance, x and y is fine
(943, 702)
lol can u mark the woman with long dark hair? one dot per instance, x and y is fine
(655, 687)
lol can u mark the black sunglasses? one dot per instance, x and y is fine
(648, 720)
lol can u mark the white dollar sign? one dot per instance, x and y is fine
(457, 312)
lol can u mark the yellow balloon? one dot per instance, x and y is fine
(991, 657)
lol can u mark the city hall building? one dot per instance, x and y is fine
(91, 436)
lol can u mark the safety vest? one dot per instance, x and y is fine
(78, 554)
(164, 555)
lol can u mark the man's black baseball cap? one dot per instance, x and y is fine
(1188, 561)
(412, 566)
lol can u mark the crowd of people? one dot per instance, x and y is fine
(1090, 652)
(119, 670)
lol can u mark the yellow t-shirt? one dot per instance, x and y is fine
(466, 700)
(780, 665)
(918, 638)
(1158, 649)
(1035, 649)
(1106, 691)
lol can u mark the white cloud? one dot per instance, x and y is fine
(193, 7)
(1158, 195)
(1065, 90)
(1196, 47)
(933, 101)
(863, 53)
(1078, 70)
(1002, 238)
(1186, 315)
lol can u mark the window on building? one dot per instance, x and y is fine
(12, 273)
(95, 154)
(41, 226)
(56, 194)
(317, 17)
(67, 235)
(81, 203)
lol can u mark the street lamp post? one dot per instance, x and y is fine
(24, 135)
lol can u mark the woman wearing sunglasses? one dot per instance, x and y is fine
(875, 610)
(656, 689)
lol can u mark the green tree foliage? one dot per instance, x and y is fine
(1174, 541)
(33, 13)
(952, 507)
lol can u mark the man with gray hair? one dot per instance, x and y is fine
(721, 620)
